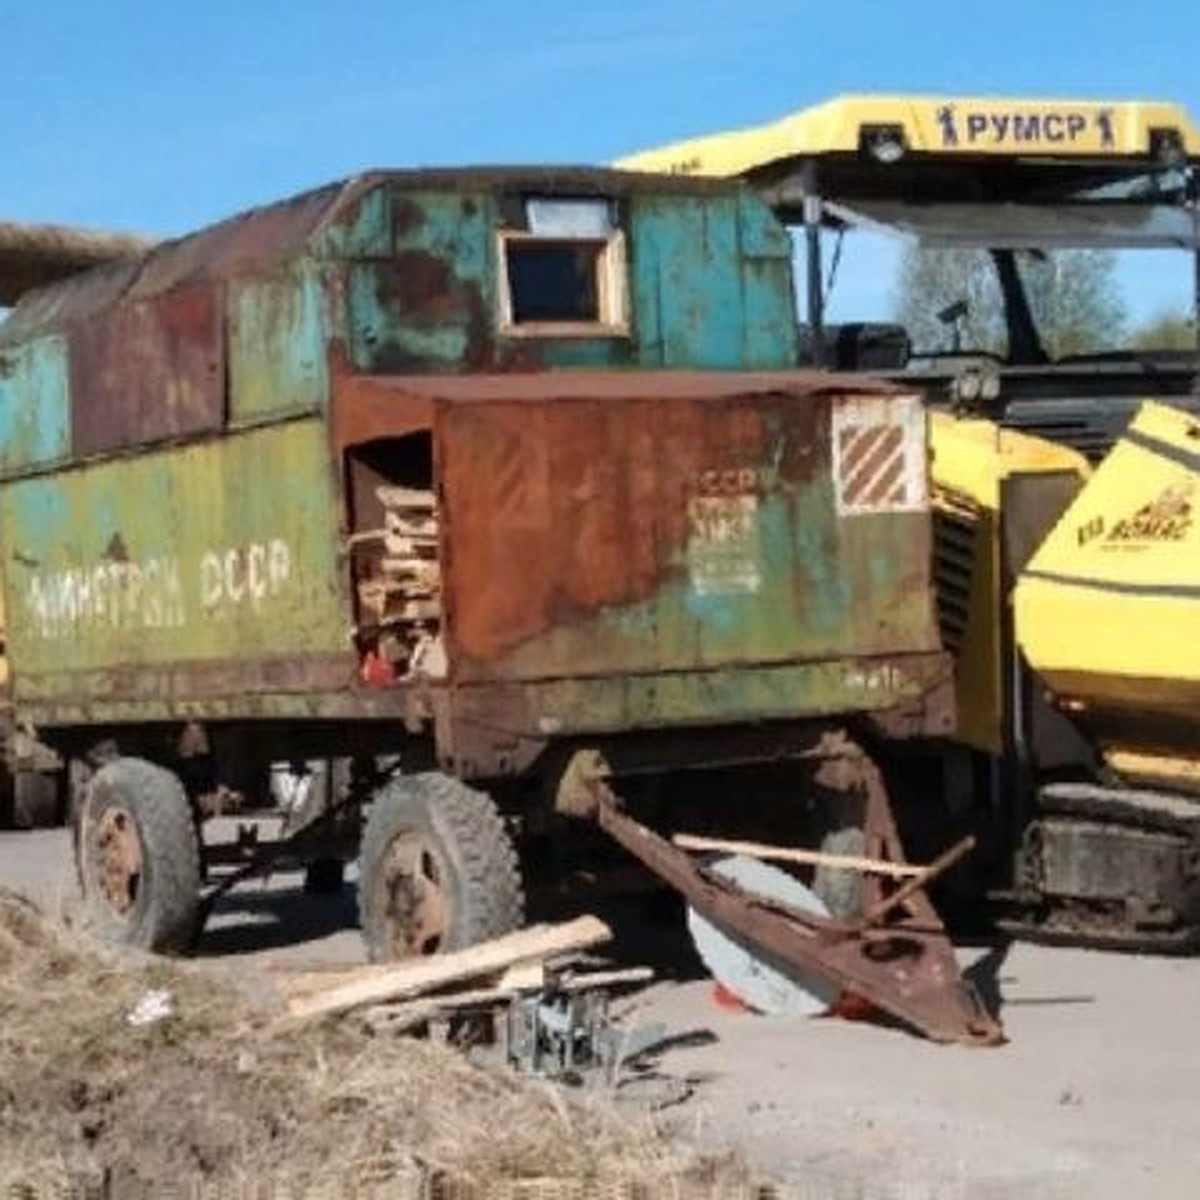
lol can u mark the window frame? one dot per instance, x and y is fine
(612, 289)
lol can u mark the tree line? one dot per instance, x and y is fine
(1073, 296)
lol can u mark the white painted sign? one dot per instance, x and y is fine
(723, 549)
(158, 592)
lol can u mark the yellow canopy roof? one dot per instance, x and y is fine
(943, 125)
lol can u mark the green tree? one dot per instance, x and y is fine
(1072, 295)
(1166, 331)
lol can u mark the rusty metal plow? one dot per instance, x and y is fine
(897, 957)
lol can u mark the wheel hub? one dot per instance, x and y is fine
(415, 902)
(117, 856)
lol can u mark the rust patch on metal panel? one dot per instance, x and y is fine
(249, 243)
(419, 295)
(592, 499)
(148, 371)
(428, 293)
(368, 407)
(407, 215)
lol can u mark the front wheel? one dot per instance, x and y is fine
(437, 871)
(139, 857)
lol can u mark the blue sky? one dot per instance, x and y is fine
(159, 118)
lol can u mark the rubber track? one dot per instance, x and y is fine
(1180, 941)
(1147, 811)
(1160, 812)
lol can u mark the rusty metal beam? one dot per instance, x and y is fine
(904, 967)
(34, 255)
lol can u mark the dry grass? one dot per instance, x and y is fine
(211, 1100)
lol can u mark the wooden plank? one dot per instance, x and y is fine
(406, 979)
(796, 854)
(411, 571)
(411, 544)
(394, 496)
(523, 976)
(398, 1018)
(939, 866)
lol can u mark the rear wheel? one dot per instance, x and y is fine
(438, 870)
(139, 857)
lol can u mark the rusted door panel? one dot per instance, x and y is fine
(627, 536)
(148, 369)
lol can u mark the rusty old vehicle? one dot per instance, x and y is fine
(487, 490)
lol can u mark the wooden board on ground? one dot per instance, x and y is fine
(418, 976)
(398, 1018)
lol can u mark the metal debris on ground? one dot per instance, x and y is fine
(562, 1033)
(896, 957)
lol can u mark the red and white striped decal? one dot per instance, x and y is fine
(879, 455)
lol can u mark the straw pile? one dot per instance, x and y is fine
(215, 1098)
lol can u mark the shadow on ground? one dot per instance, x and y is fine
(252, 919)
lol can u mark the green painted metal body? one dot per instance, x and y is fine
(190, 553)
(175, 491)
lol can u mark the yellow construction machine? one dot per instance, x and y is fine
(1069, 592)
(1018, 179)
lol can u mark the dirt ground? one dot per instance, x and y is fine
(1093, 1096)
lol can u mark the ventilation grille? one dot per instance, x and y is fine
(956, 520)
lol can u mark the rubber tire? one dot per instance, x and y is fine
(842, 892)
(467, 834)
(165, 913)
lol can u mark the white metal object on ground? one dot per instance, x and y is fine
(745, 973)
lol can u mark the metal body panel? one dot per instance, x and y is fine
(420, 285)
(221, 551)
(632, 533)
(148, 370)
(710, 280)
(972, 459)
(699, 263)
(277, 359)
(35, 402)
(1106, 610)
(500, 728)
